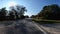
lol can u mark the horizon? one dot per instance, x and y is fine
(33, 6)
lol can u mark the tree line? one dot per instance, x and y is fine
(15, 12)
(51, 12)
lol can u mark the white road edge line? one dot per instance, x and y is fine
(40, 29)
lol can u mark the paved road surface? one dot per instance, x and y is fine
(52, 28)
(25, 26)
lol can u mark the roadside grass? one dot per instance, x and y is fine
(44, 21)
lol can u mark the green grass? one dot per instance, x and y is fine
(44, 21)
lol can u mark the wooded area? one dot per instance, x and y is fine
(51, 12)
(15, 12)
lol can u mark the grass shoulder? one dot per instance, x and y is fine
(45, 21)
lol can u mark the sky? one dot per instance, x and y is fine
(33, 6)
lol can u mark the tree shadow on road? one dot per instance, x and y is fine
(17, 29)
(21, 29)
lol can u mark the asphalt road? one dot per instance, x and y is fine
(24, 26)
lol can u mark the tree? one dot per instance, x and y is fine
(19, 10)
(13, 13)
(26, 16)
(3, 13)
(33, 16)
(50, 12)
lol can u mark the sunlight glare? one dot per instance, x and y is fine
(11, 4)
